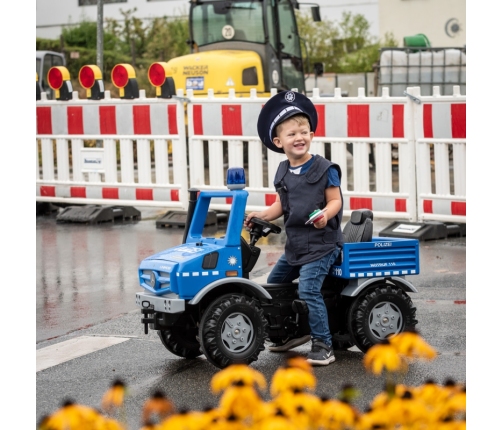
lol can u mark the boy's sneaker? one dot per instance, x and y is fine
(288, 343)
(321, 354)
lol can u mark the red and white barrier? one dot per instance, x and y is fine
(440, 126)
(121, 171)
(358, 121)
(222, 132)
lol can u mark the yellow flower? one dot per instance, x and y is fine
(406, 410)
(114, 396)
(184, 420)
(237, 373)
(73, 416)
(383, 356)
(373, 419)
(156, 408)
(291, 379)
(337, 415)
(411, 345)
(431, 394)
(301, 408)
(382, 398)
(240, 401)
(277, 422)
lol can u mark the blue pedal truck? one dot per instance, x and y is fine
(199, 298)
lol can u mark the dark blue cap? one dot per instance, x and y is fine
(279, 108)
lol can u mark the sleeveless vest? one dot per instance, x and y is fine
(300, 195)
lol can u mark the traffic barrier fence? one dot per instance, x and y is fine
(383, 145)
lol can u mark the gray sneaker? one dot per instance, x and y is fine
(321, 354)
(288, 343)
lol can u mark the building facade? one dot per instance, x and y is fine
(442, 21)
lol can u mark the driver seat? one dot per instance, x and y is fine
(360, 227)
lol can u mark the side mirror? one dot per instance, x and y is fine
(318, 69)
(316, 13)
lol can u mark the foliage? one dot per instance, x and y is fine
(293, 403)
(345, 47)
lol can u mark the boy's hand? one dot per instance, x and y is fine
(322, 222)
(247, 221)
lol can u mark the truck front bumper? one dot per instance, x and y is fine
(169, 303)
(159, 312)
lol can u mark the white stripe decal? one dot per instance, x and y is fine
(186, 274)
(216, 273)
(195, 273)
(68, 350)
(381, 120)
(441, 120)
(205, 273)
(91, 119)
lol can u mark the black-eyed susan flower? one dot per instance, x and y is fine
(336, 414)
(237, 373)
(405, 411)
(412, 345)
(114, 396)
(241, 401)
(291, 379)
(157, 408)
(72, 416)
(383, 356)
(372, 419)
(277, 421)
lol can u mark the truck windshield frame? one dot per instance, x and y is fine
(217, 21)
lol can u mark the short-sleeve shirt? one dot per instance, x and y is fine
(333, 178)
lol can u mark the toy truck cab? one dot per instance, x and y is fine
(200, 299)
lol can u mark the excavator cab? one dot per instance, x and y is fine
(242, 44)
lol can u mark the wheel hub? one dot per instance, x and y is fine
(237, 332)
(385, 320)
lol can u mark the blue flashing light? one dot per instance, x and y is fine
(236, 178)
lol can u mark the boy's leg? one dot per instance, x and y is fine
(311, 279)
(281, 273)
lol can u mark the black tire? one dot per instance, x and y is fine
(224, 347)
(181, 339)
(378, 313)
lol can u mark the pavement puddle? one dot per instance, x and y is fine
(68, 350)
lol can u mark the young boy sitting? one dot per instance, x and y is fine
(304, 183)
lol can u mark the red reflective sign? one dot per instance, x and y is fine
(157, 74)
(86, 77)
(55, 78)
(120, 76)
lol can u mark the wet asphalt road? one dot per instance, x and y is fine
(86, 281)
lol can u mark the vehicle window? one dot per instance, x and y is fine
(39, 62)
(223, 21)
(56, 61)
(45, 70)
(287, 25)
(291, 58)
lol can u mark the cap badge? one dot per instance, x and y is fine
(290, 96)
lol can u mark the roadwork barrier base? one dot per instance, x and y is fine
(429, 230)
(178, 219)
(96, 214)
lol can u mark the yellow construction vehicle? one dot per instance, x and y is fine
(241, 44)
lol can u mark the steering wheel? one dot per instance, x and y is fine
(262, 228)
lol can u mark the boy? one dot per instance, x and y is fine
(304, 183)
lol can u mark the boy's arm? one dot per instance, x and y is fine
(273, 212)
(333, 206)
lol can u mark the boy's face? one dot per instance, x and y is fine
(294, 139)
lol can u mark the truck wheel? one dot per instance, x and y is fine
(379, 313)
(181, 339)
(232, 330)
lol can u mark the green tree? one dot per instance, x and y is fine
(166, 39)
(84, 35)
(344, 47)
